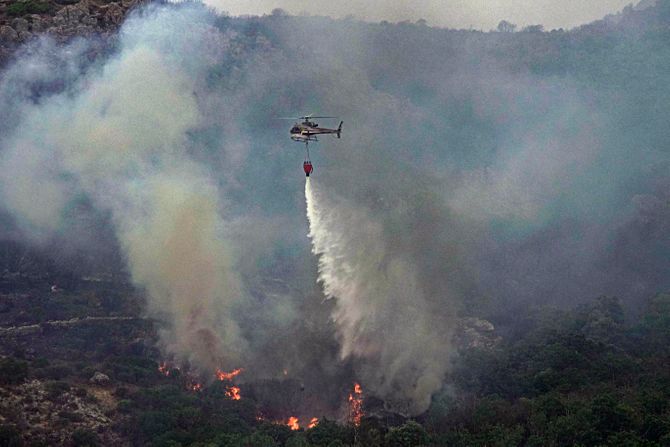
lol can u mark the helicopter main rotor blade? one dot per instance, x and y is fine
(306, 117)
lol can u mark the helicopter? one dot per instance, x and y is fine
(307, 131)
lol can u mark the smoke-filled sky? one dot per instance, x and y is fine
(478, 14)
(511, 171)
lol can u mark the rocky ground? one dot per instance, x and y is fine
(475, 333)
(24, 20)
(58, 347)
(53, 413)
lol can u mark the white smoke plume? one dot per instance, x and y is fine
(383, 315)
(118, 137)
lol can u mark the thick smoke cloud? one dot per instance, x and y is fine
(488, 179)
(118, 136)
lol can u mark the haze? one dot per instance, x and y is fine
(478, 14)
(479, 175)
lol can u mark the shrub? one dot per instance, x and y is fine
(83, 437)
(124, 406)
(69, 416)
(55, 389)
(10, 436)
(55, 372)
(80, 392)
(12, 371)
(29, 7)
(122, 392)
(40, 362)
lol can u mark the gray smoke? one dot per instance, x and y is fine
(399, 336)
(475, 175)
(118, 136)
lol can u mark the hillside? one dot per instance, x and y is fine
(587, 376)
(482, 258)
(23, 21)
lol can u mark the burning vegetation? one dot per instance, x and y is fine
(233, 392)
(192, 383)
(164, 369)
(293, 423)
(356, 405)
(194, 386)
(222, 375)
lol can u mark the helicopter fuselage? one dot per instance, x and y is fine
(307, 131)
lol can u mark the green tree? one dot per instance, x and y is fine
(279, 432)
(506, 27)
(370, 437)
(298, 440)
(326, 432)
(501, 436)
(258, 440)
(411, 434)
(574, 428)
(657, 315)
(611, 415)
(626, 439)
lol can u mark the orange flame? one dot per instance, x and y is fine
(233, 392)
(195, 386)
(164, 368)
(356, 405)
(313, 422)
(222, 375)
(293, 423)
